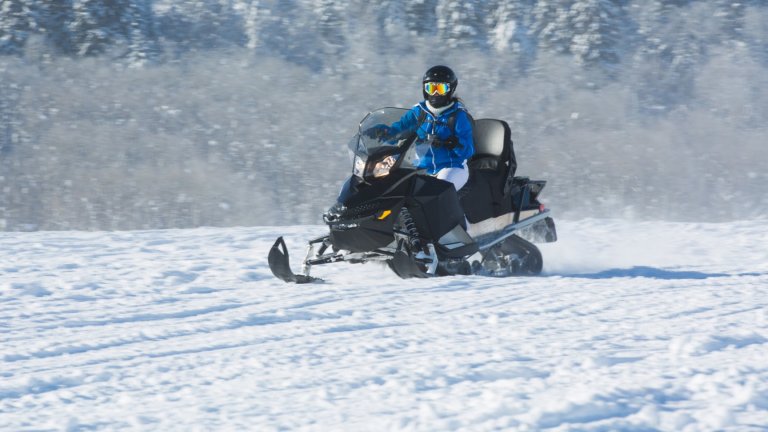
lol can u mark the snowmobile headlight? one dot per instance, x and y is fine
(358, 168)
(382, 167)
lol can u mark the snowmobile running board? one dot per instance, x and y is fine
(486, 241)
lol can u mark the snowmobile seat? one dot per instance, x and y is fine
(491, 168)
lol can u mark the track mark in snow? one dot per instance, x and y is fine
(255, 276)
(277, 318)
(198, 290)
(561, 413)
(358, 327)
(646, 272)
(699, 345)
(35, 386)
(153, 316)
(176, 277)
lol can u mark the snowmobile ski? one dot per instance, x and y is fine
(280, 266)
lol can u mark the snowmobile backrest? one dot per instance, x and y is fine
(493, 145)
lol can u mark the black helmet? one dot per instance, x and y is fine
(439, 74)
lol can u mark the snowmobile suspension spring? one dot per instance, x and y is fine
(409, 225)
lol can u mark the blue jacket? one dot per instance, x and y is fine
(438, 158)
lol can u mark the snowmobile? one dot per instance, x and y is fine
(391, 211)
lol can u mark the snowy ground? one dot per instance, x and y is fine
(653, 326)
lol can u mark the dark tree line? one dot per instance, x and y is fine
(601, 32)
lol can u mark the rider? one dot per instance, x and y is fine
(431, 119)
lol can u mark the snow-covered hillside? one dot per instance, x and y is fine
(652, 326)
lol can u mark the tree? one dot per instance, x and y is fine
(330, 26)
(98, 25)
(252, 14)
(420, 17)
(16, 22)
(592, 31)
(141, 32)
(597, 27)
(507, 26)
(459, 23)
(8, 116)
(204, 24)
(53, 18)
(551, 25)
(731, 15)
(671, 45)
(756, 31)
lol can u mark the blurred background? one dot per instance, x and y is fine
(143, 114)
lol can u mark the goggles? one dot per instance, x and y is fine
(439, 88)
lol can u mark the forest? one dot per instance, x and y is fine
(147, 114)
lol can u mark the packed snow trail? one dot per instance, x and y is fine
(650, 326)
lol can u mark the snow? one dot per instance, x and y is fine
(633, 326)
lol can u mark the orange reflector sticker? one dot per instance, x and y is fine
(384, 214)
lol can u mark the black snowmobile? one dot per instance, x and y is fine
(391, 211)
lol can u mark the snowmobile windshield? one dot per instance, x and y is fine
(375, 131)
(376, 137)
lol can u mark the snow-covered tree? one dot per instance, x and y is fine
(252, 13)
(91, 27)
(590, 30)
(508, 26)
(8, 116)
(459, 23)
(141, 32)
(97, 24)
(330, 26)
(53, 19)
(202, 24)
(16, 22)
(731, 15)
(420, 17)
(598, 27)
(552, 25)
(672, 44)
(756, 31)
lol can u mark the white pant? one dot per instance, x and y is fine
(457, 176)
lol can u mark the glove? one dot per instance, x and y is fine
(379, 131)
(449, 143)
